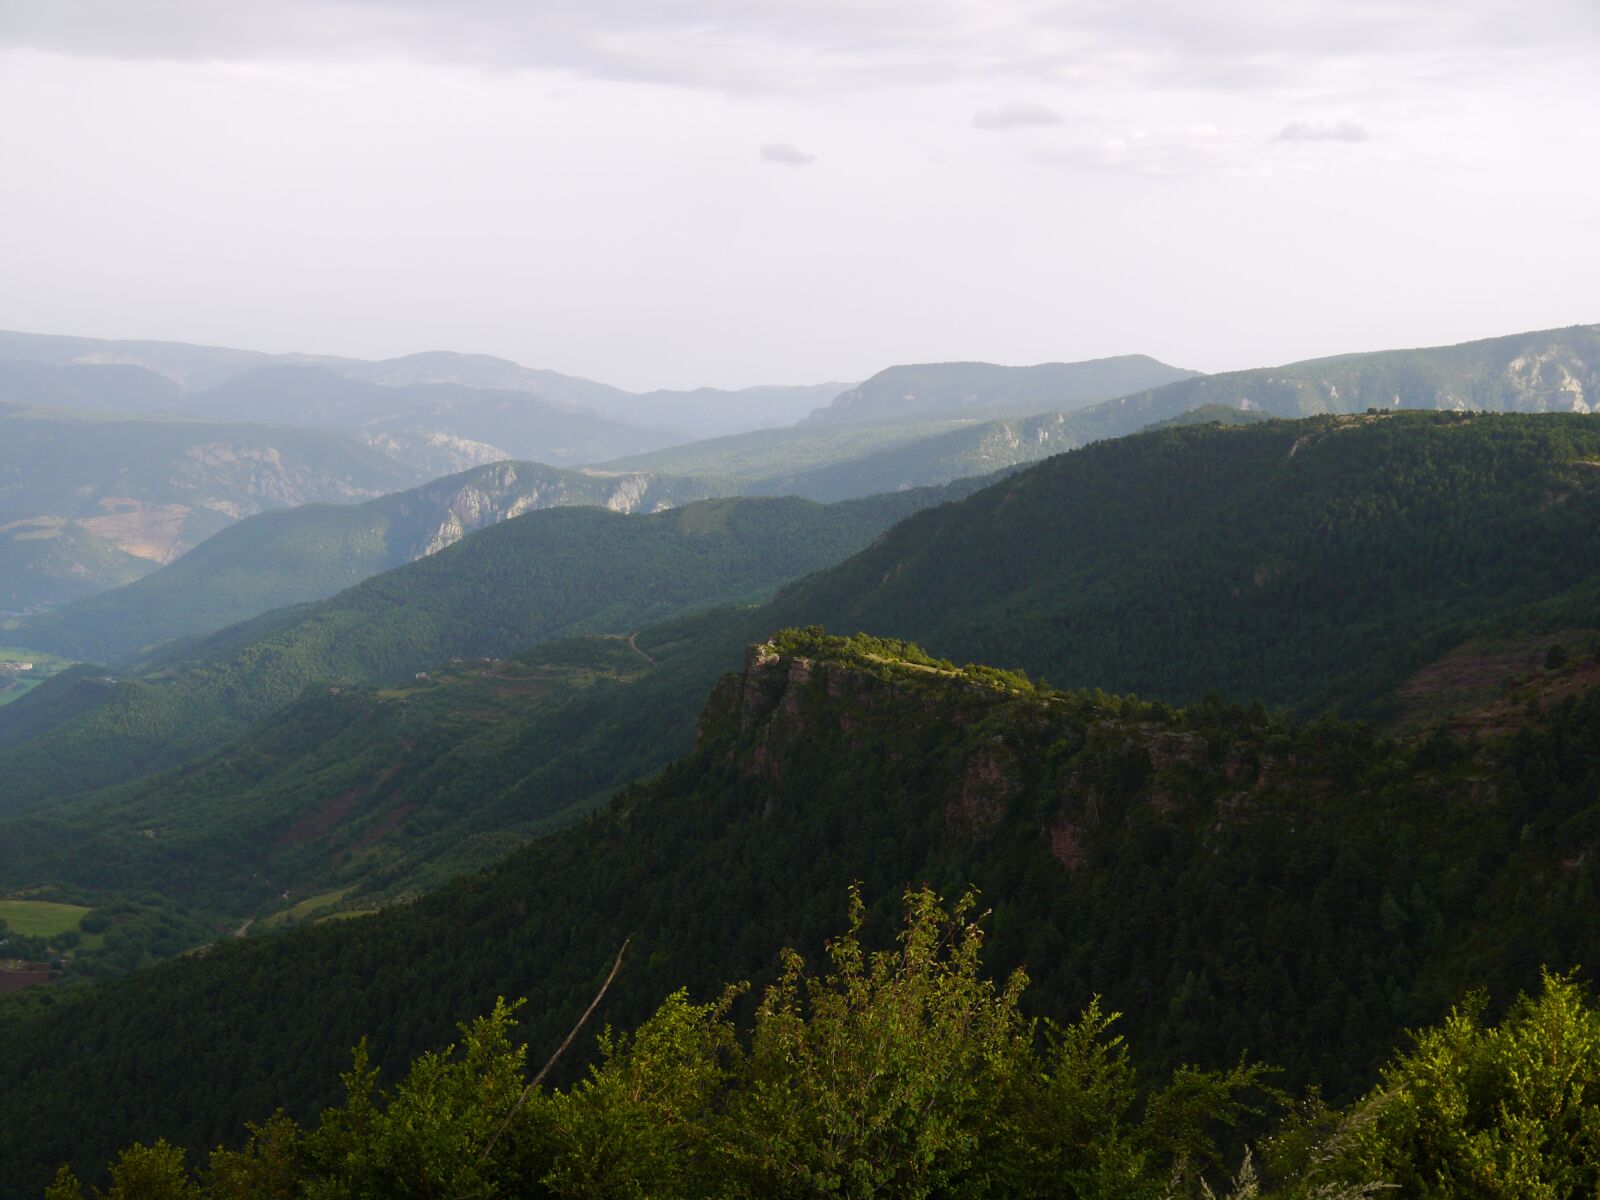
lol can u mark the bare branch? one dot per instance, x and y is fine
(560, 1050)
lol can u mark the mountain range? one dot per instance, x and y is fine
(439, 413)
(1322, 563)
(147, 376)
(535, 577)
(1275, 731)
(291, 556)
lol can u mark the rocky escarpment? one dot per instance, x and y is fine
(1170, 860)
(988, 756)
(445, 511)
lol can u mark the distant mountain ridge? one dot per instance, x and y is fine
(308, 553)
(130, 493)
(975, 388)
(88, 387)
(692, 413)
(439, 413)
(1551, 370)
(979, 448)
(1545, 371)
(433, 425)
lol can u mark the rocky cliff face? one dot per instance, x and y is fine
(442, 513)
(989, 756)
(1556, 370)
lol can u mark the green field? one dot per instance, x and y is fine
(306, 909)
(41, 918)
(15, 687)
(16, 691)
(43, 664)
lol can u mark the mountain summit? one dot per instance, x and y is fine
(976, 388)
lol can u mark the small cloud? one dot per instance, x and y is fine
(1020, 115)
(1310, 131)
(1170, 152)
(785, 155)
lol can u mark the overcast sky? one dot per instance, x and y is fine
(678, 192)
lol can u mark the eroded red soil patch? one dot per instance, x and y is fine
(386, 825)
(334, 810)
(14, 975)
(1486, 686)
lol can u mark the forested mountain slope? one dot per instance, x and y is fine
(539, 576)
(979, 448)
(744, 461)
(1307, 563)
(1231, 881)
(49, 559)
(88, 387)
(969, 388)
(349, 797)
(310, 552)
(848, 460)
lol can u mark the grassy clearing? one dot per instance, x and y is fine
(305, 910)
(41, 918)
(37, 657)
(15, 687)
(16, 691)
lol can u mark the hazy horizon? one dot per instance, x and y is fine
(705, 194)
(795, 383)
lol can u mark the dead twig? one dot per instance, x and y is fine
(560, 1050)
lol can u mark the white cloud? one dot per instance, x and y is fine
(1311, 131)
(1167, 152)
(784, 155)
(752, 46)
(1018, 115)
